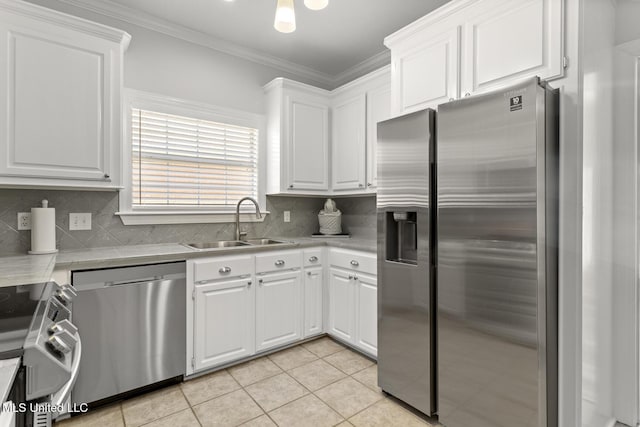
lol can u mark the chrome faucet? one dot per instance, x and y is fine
(258, 214)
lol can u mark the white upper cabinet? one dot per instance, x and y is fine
(508, 40)
(297, 138)
(378, 109)
(348, 144)
(323, 142)
(470, 46)
(426, 72)
(61, 124)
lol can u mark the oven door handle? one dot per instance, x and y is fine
(61, 396)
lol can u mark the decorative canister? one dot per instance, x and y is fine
(330, 218)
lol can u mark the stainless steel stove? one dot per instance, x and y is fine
(36, 328)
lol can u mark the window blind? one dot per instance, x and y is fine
(187, 162)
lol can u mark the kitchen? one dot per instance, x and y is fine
(290, 332)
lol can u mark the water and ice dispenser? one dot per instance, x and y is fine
(402, 237)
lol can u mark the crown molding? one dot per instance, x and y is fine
(69, 21)
(427, 21)
(142, 19)
(383, 74)
(375, 62)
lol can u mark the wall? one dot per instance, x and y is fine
(625, 235)
(626, 374)
(570, 225)
(597, 289)
(162, 64)
(107, 229)
(627, 28)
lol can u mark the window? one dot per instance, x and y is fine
(181, 161)
(187, 162)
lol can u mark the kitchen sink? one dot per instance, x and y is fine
(216, 245)
(265, 241)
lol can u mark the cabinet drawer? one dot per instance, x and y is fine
(205, 270)
(277, 261)
(354, 260)
(313, 257)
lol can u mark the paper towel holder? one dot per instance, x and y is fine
(47, 221)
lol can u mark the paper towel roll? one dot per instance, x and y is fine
(43, 230)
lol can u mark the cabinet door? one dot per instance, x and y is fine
(426, 75)
(348, 146)
(224, 322)
(308, 148)
(367, 313)
(341, 305)
(511, 40)
(313, 280)
(57, 117)
(378, 109)
(278, 309)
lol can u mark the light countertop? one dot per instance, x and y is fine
(29, 269)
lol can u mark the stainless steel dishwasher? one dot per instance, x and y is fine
(133, 326)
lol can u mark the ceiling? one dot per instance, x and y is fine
(331, 41)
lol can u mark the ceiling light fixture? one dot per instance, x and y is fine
(285, 21)
(316, 4)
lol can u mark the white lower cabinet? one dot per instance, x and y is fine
(367, 313)
(353, 299)
(341, 304)
(224, 322)
(241, 305)
(313, 295)
(278, 309)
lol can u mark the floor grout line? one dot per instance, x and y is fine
(306, 390)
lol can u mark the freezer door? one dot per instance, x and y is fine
(405, 292)
(493, 193)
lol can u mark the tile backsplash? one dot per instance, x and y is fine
(108, 230)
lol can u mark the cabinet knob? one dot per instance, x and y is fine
(279, 263)
(369, 184)
(355, 277)
(224, 270)
(451, 99)
(260, 281)
(355, 263)
(249, 283)
(467, 94)
(308, 273)
(313, 259)
(291, 186)
(360, 185)
(350, 276)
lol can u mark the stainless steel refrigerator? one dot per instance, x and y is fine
(405, 202)
(494, 296)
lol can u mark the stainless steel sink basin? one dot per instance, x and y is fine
(265, 241)
(217, 245)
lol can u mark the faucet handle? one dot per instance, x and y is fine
(243, 235)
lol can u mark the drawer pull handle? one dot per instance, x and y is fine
(313, 259)
(355, 263)
(279, 263)
(224, 270)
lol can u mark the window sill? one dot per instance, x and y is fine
(153, 218)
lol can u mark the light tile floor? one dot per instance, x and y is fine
(316, 384)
